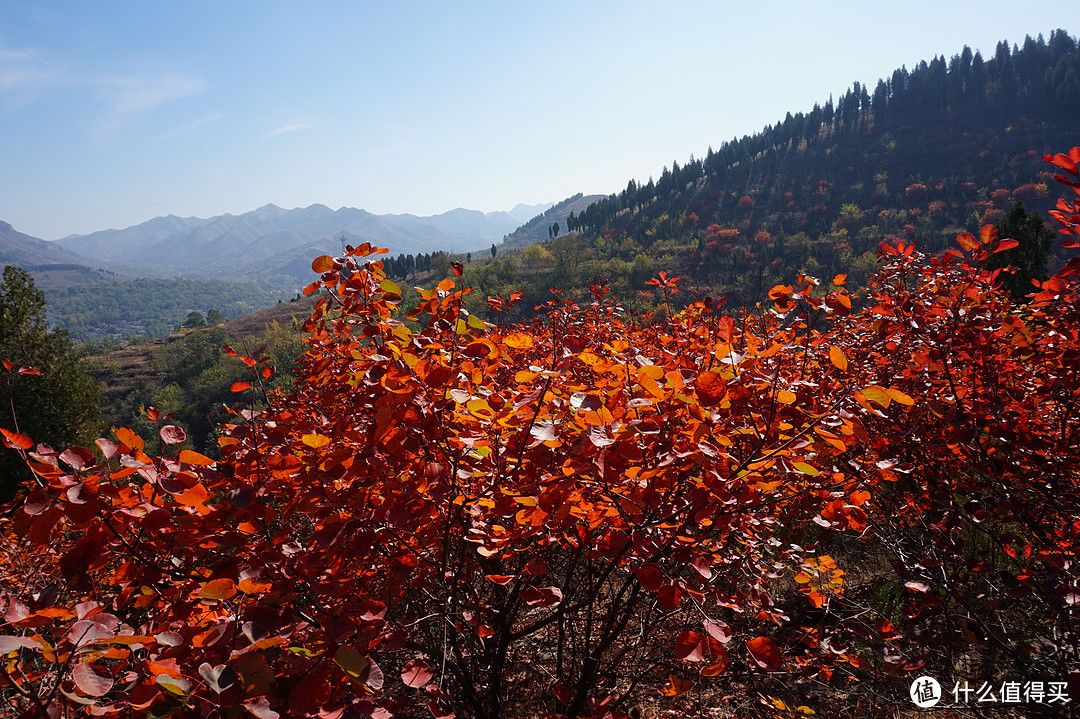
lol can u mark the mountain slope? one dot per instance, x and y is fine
(929, 153)
(17, 248)
(273, 241)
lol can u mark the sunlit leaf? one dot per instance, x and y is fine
(838, 358)
(765, 653)
(322, 264)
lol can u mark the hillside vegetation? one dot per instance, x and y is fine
(944, 148)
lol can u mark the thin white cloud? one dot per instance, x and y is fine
(132, 95)
(193, 125)
(291, 126)
(23, 70)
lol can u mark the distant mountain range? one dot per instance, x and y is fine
(20, 249)
(269, 241)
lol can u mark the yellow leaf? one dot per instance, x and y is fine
(589, 358)
(315, 440)
(878, 395)
(518, 341)
(806, 468)
(900, 396)
(786, 397)
(838, 358)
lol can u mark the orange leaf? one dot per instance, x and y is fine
(779, 291)
(192, 497)
(838, 358)
(14, 439)
(218, 589)
(1005, 245)
(126, 436)
(967, 241)
(189, 457)
(239, 386)
(677, 685)
(323, 263)
(253, 586)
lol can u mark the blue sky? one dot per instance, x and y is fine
(114, 112)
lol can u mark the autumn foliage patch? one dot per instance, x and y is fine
(566, 518)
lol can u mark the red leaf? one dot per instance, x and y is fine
(500, 579)
(416, 674)
(702, 566)
(1005, 245)
(16, 440)
(765, 653)
(89, 682)
(649, 577)
(711, 389)
(967, 241)
(690, 646)
(171, 434)
(30, 370)
(78, 458)
(718, 630)
(542, 596)
(917, 586)
(239, 386)
(437, 712)
(457, 268)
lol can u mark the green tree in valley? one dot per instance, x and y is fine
(47, 395)
(194, 319)
(1029, 257)
(214, 317)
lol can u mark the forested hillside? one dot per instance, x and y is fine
(945, 147)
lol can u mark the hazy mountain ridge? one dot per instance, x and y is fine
(17, 248)
(272, 241)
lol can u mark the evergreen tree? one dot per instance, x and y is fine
(194, 319)
(1029, 257)
(59, 407)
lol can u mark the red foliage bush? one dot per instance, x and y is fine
(557, 519)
